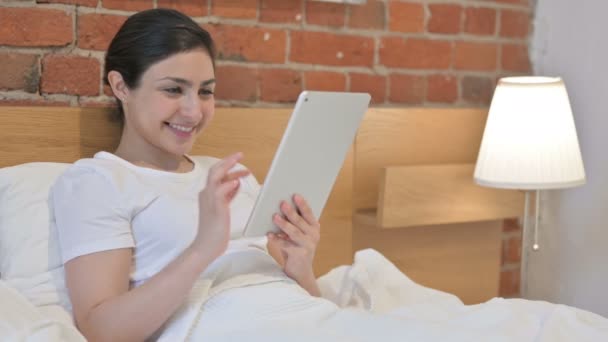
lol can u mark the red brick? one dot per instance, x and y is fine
(71, 75)
(19, 71)
(325, 14)
(511, 250)
(95, 31)
(369, 16)
(511, 225)
(514, 23)
(282, 11)
(87, 3)
(475, 56)
(35, 27)
(375, 85)
(280, 85)
(239, 9)
(415, 53)
(236, 83)
(477, 90)
(480, 21)
(193, 8)
(444, 18)
(128, 5)
(251, 44)
(514, 2)
(408, 89)
(107, 90)
(515, 58)
(331, 49)
(509, 283)
(325, 81)
(33, 102)
(405, 17)
(442, 88)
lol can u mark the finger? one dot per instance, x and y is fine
(236, 175)
(281, 243)
(224, 189)
(292, 232)
(293, 216)
(305, 210)
(221, 168)
(231, 194)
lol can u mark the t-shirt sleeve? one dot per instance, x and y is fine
(89, 214)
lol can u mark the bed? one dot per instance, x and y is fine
(363, 257)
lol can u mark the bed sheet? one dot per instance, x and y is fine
(20, 320)
(366, 301)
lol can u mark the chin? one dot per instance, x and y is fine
(178, 150)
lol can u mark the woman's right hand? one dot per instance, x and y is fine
(214, 206)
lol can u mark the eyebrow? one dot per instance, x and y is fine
(186, 82)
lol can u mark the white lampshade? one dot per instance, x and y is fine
(530, 139)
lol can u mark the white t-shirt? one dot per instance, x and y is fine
(106, 203)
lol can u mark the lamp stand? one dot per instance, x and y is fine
(525, 248)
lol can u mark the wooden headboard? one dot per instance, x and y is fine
(452, 252)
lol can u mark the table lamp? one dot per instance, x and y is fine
(530, 143)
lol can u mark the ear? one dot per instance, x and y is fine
(118, 85)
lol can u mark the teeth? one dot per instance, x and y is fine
(181, 128)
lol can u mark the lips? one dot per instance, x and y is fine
(181, 131)
(181, 128)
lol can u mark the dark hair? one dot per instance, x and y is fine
(148, 37)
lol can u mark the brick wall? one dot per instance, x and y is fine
(407, 53)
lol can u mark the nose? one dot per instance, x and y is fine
(191, 108)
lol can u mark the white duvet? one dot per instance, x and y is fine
(243, 298)
(370, 300)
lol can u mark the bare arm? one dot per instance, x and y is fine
(105, 309)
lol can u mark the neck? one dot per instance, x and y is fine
(137, 151)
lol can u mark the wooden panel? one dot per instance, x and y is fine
(335, 247)
(440, 194)
(38, 134)
(412, 136)
(68, 134)
(462, 259)
(254, 131)
(98, 132)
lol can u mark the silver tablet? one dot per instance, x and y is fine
(320, 131)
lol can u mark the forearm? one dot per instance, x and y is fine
(138, 313)
(309, 283)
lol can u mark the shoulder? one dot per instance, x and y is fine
(92, 174)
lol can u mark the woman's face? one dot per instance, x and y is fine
(173, 103)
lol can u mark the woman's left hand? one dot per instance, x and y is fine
(295, 246)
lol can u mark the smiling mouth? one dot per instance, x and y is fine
(185, 129)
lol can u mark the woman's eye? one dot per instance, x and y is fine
(205, 92)
(174, 90)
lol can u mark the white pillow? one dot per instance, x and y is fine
(24, 218)
(21, 321)
(29, 255)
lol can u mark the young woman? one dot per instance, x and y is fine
(138, 227)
